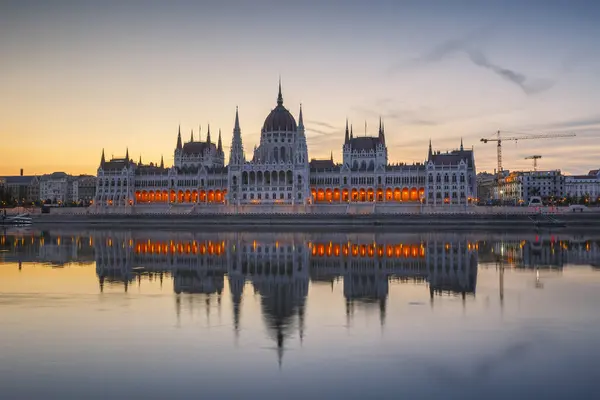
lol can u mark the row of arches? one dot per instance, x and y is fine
(368, 195)
(180, 196)
(268, 178)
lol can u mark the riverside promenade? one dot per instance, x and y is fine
(470, 218)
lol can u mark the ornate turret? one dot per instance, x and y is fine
(347, 136)
(430, 150)
(220, 144)
(236, 153)
(300, 119)
(381, 132)
(179, 145)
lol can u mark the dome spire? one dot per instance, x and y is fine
(279, 96)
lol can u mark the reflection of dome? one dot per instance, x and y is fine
(280, 119)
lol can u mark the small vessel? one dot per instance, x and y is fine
(16, 220)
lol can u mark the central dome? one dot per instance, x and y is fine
(279, 119)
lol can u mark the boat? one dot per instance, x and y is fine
(15, 220)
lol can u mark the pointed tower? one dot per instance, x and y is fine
(140, 163)
(332, 156)
(127, 155)
(236, 153)
(300, 119)
(381, 132)
(162, 162)
(179, 146)
(351, 133)
(461, 145)
(208, 135)
(430, 150)
(199, 133)
(192, 136)
(102, 160)
(347, 136)
(220, 143)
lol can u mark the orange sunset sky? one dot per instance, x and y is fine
(78, 77)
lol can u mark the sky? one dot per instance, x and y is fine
(81, 76)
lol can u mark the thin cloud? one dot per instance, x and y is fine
(529, 86)
(322, 124)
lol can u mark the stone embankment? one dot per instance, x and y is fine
(454, 221)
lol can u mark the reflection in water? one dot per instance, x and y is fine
(289, 278)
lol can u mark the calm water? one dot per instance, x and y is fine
(134, 314)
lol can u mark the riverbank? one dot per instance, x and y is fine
(339, 221)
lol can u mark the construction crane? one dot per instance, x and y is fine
(534, 158)
(499, 140)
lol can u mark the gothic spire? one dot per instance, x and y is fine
(192, 136)
(102, 159)
(279, 96)
(162, 161)
(140, 163)
(220, 144)
(127, 155)
(332, 156)
(208, 135)
(300, 119)
(347, 137)
(351, 134)
(236, 152)
(381, 131)
(430, 149)
(461, 144)
(179, 138)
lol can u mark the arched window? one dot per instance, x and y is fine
(276, 154)
(283, 155)
(299, 179)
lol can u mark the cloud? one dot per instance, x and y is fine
(465, 45)
(322, 124)
(527, 85)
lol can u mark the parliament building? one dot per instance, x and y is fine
(280, 172)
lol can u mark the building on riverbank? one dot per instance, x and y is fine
(280, 172)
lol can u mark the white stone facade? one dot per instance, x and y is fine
(280, 172)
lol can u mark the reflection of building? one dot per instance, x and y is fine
(279, 267)
(54, 249)
(279, 172)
